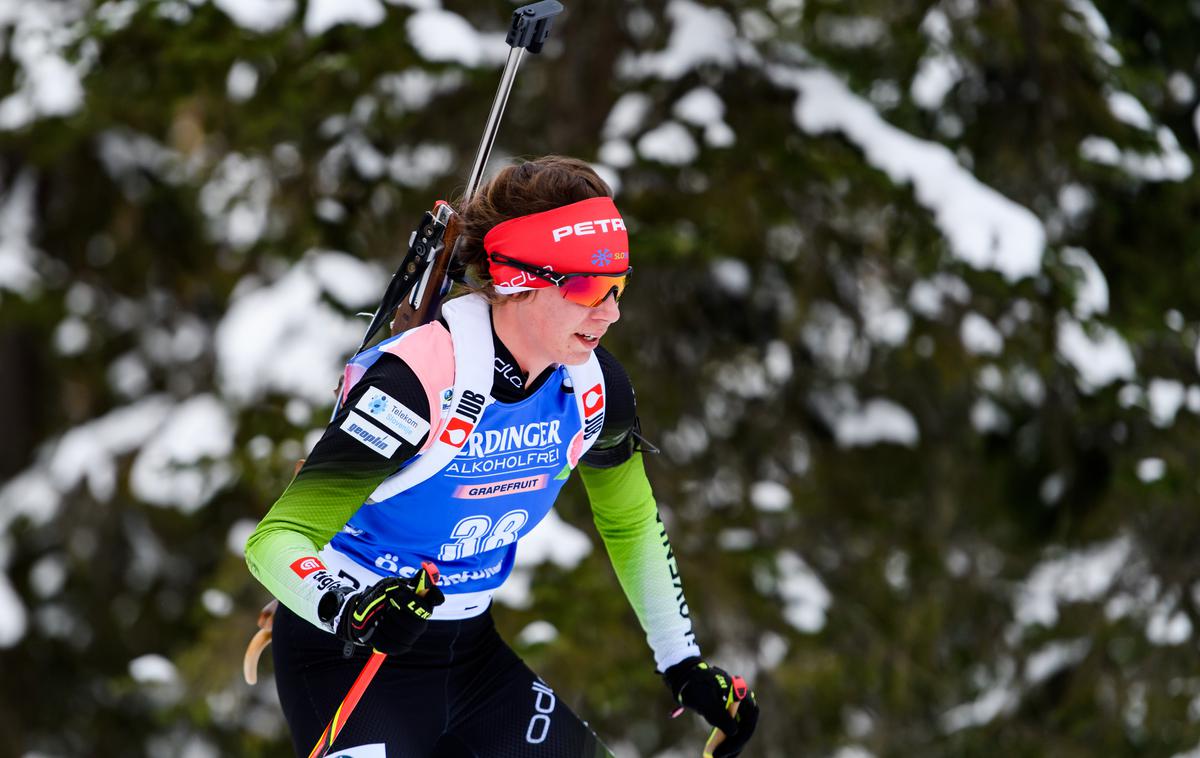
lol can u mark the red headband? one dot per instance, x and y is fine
(584, 237)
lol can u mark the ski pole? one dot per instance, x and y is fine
(342, 714)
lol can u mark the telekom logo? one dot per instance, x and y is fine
(593, 400)
(456, 432)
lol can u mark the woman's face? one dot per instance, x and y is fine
(560, 331)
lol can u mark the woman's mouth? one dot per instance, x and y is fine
(590, 340)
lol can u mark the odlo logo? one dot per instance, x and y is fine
(458, 431)
(539, 725)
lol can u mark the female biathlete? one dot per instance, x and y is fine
(451, 442)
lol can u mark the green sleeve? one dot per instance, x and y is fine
(636, 540)
(314, 507)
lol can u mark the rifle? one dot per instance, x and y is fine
(423, 278)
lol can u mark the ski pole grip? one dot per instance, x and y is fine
(531, 25)
(431, 571)
(717, 737)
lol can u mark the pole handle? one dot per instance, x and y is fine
(737, 694)
(342, 714)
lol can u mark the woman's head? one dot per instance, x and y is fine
(520, 190)
(546, 243)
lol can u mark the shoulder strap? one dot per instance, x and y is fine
(474, 362)
(588, 382)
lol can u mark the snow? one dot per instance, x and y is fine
(1129, 110)
(1166, 397)
(772, 650)
(414, 88)
(998, 698)
(734, 540)
(699, 36)
(1077, 577)
(87, 453)
(989, 418)
(732, 275)
(883, 322)
(702, 107)
(13, 618)
(1075, 200)
(1168, 626)
(979, 336)
(616, 153)
(770, 497)
(669, 143)
(71, 336)
(853, 751)
(419, 165)
(440, 36)
(1098, 354)
(183, 463)
(876, 421)
(269, 329)
(40, 33)
(239, 532)
(537, 633)
(778, 361)
(627, 115)
(1170, 164)
(1150, 470)
(48, 575)
(216, 602)
(850, 32)
(1181, 87)
(237, 200)
(323, 15)
(805, 599)
(936, 76)
(985, 229)
(260, 16)
(19, 259)
(832, 337)
(1091, 294)
(153, 669)
(1097, 28)
(241, 82)
(1052, 487)
(1053, 658)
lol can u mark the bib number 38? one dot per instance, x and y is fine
(477, 534)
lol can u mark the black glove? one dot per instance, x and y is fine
(710, 691)
(388, 616)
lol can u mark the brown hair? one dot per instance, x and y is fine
(531, 187)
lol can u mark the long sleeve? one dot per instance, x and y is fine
(351, 459)
(627, 518)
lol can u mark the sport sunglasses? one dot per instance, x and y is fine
(590, 289)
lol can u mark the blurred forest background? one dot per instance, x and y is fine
(915, 323)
